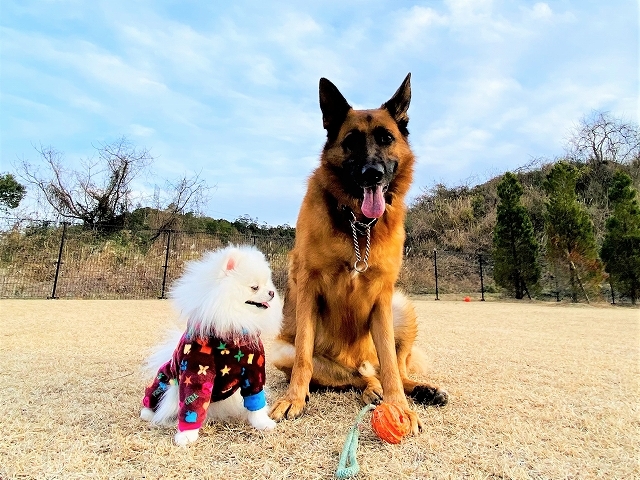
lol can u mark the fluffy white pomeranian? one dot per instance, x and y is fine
(217, 369)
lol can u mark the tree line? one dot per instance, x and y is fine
(100, 195)
(569, 235)
(575, 220)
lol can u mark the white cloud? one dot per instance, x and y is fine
(231, 89)
(141, 131)
(416, 23)
(541, 11)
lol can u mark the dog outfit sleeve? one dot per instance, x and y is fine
(253, 378)
(167, 375)
(197, 374)
(153, 393)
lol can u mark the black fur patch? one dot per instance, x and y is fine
(429, 396)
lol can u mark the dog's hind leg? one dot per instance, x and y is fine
(147, 414)
(420, 392)
(405, 326)
(328, 373)
(333, 374)
(155, 395)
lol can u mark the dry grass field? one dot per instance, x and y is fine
(537, 391)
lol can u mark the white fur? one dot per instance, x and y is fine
(161, 353)
(147, 414)
(211, 295)
(229, 408)
(259, 419)
(167, 412)
(186, 437)
(282, 352)
(367, 370)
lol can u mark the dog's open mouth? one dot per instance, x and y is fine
(258, 304)
(373, 203)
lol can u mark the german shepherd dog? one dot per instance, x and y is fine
(343, 324)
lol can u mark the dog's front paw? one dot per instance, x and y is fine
(400, 401)
(260, 420)
(185, 437)
(372, 395)
(287, 408)
(414, 420)
(146, 414)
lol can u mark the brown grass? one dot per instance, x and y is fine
(537, 391)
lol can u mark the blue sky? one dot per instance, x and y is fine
(230, 89)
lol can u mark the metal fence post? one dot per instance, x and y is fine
(166, 264)
(59, 262)
(613, 295)
(481, 278)
(435, 268)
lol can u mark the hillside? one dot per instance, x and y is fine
(461, 219)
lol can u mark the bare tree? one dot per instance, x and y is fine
(99, 193)
(601, 137)
(187, 195)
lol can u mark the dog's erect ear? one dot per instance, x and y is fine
(398, 105)
(231, 264)
(334, 107)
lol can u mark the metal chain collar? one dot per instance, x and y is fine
(361, 264)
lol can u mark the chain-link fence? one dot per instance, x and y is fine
(49, 260)
(61, 260)
(441, 272)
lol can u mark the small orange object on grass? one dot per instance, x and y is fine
(390, 423)
(467, 299)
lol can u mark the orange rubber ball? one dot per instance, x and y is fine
(390, 423)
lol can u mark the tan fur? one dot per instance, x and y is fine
(348, 328)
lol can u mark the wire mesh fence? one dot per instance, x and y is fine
(441, 272)
(50, 260)
(59, 260)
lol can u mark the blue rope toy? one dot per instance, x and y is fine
(348, 464)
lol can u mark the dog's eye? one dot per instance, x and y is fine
(383, 137)
(354, 141)
(255, 288)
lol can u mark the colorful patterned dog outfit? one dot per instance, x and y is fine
(209, 370)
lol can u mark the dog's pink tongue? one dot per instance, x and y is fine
(373, 203)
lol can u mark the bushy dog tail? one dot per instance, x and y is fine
(161, 353)
(167, 411)
(418, 362)
(405, 324)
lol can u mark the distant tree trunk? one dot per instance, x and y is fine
(514, 262)
(572, 282)
(575, 276)
(518, 284)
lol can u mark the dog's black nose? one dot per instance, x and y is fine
(271, 294)
(372, 173)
